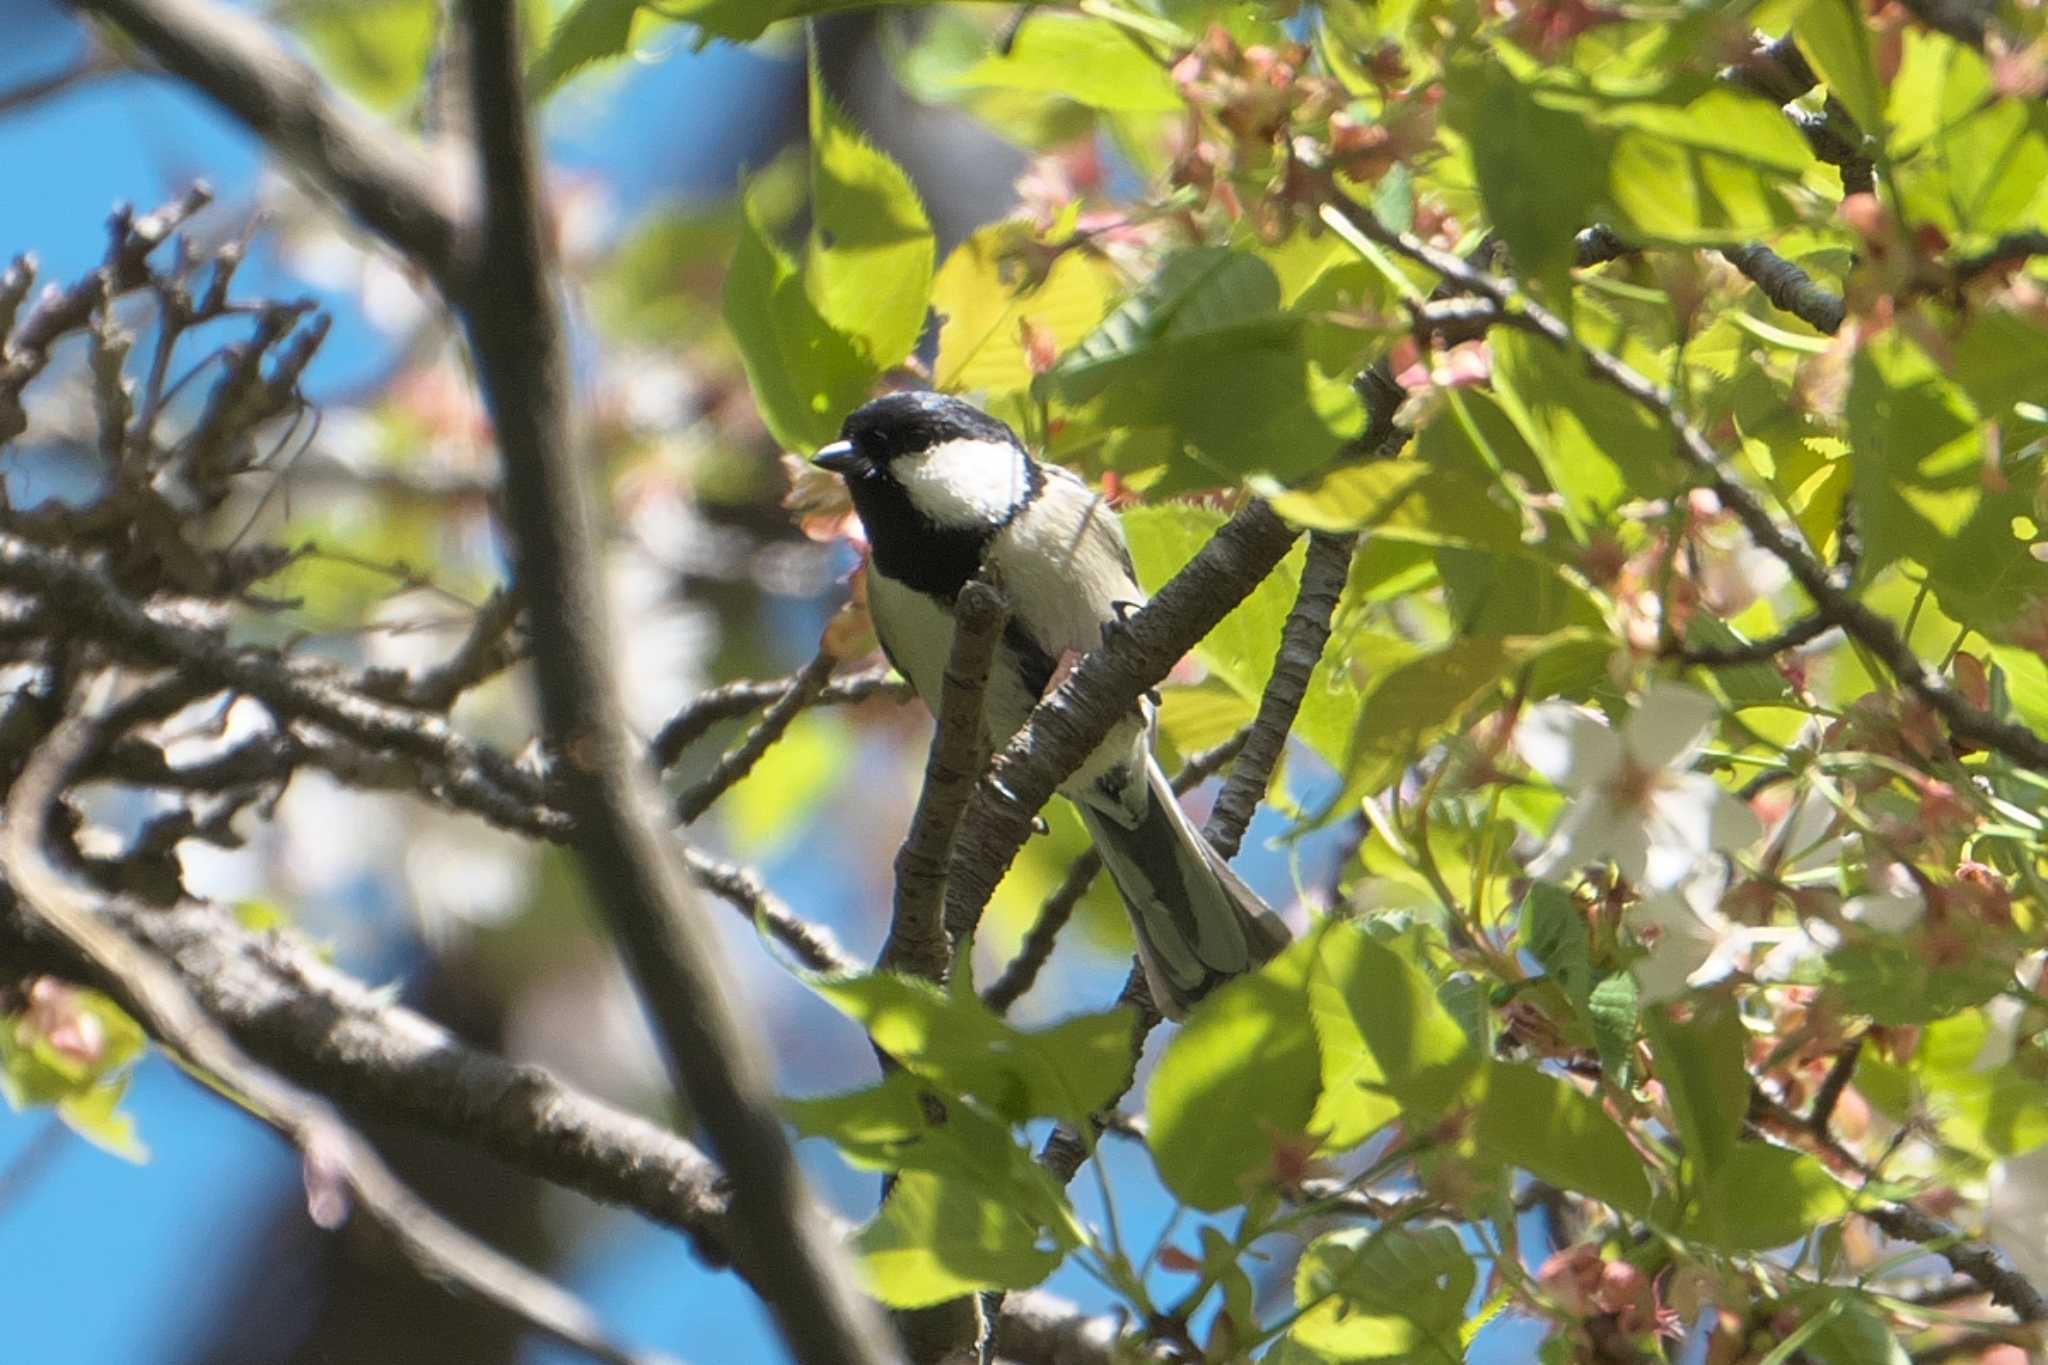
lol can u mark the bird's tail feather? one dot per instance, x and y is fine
(1197, 923)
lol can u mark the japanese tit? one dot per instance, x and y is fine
(943, 488)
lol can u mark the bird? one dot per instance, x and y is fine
(944, 490)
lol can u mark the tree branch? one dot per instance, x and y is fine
(509, 311)
(730, 701)
(286, 1005)
(229, 55)
(334, 1153)
(1302, 640)
(917, 941)
(1066, 726)
(736, 762)
(1788, 287)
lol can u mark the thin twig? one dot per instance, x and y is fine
(1981, 1261)
(1302, 640)
(1788, 287)
(1021, 972)
(742, 888)
(334, 1153)
(730, 701)
(917, 941)
(736, 762)
(1801, 632)
(1840, 1073)
(486, 649)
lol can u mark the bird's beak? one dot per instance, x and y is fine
(840, 457)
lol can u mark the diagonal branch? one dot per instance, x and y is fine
(1022, 971)
(917, 941)
(333, 1151)
(1302, 640)
(287, 1006)
(730, 701)
(231, 57)
(736, 762)
(1106, 685)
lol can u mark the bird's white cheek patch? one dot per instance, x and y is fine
(964, 483)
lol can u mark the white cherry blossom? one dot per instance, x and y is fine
(1690, 942)
(1633, 796)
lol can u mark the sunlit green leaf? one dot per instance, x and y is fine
(1836, 40)
(1388, 1045)
(806, 376)
(1398, 1292)
(985, 305)
(868, 268)
(1066, 1071)
(1239, 1078)
(937, 1238)
(1701, 1062)
(1547, 1127)
(1759, 1196)
(1403, 500)
(1086, 60)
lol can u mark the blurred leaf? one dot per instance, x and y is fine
(984, 307)
(1066, 1071)
(805, 375)
(937, 1238)
(377, 50)
(2000, 361)
(1709, 171)
(96, 1115)
(1759, 1196)
(1916, 459)
(1403, 500)
(1509, 129)
(588, 32)
(1239, 1078)
(869, 264)
(1090, 61)
(1547, 1127)
(1853, 1333)
(1389, 1047)
(1701, 1065)
(776, 802)
(1596, 447)
(1398, 1292)
(1835, 39)
(1893, 981)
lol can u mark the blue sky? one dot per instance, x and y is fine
(108, 1262)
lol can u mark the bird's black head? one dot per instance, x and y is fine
(899, 424)
(933, 479)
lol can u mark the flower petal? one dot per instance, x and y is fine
(1669, 725)
(1887, 914)
(1567, 744)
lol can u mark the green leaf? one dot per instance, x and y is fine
(1067, 1071)
(589, 32)
(869, 266)
(1404, 500)
(1389, 1047)
(1163, 538)
(1202, 349)
(1894, 982)
(1916, 457)
(1508, 129)
(1546, 1127)
(776, 802)
(1713, 170)
(96, 1115)
(937, 1238)
(901, 1124)
(377, 50)
(1240, 1076)
(1854, 1334)
(1612, 1010)
(984, 304)
(805, 375)
(2000, 361)
(1398, 1292)
(1090, 61)
(1701, 1064)
(1596, 447)
(1760, 1196)
(1554, 930)
(1836, 42)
